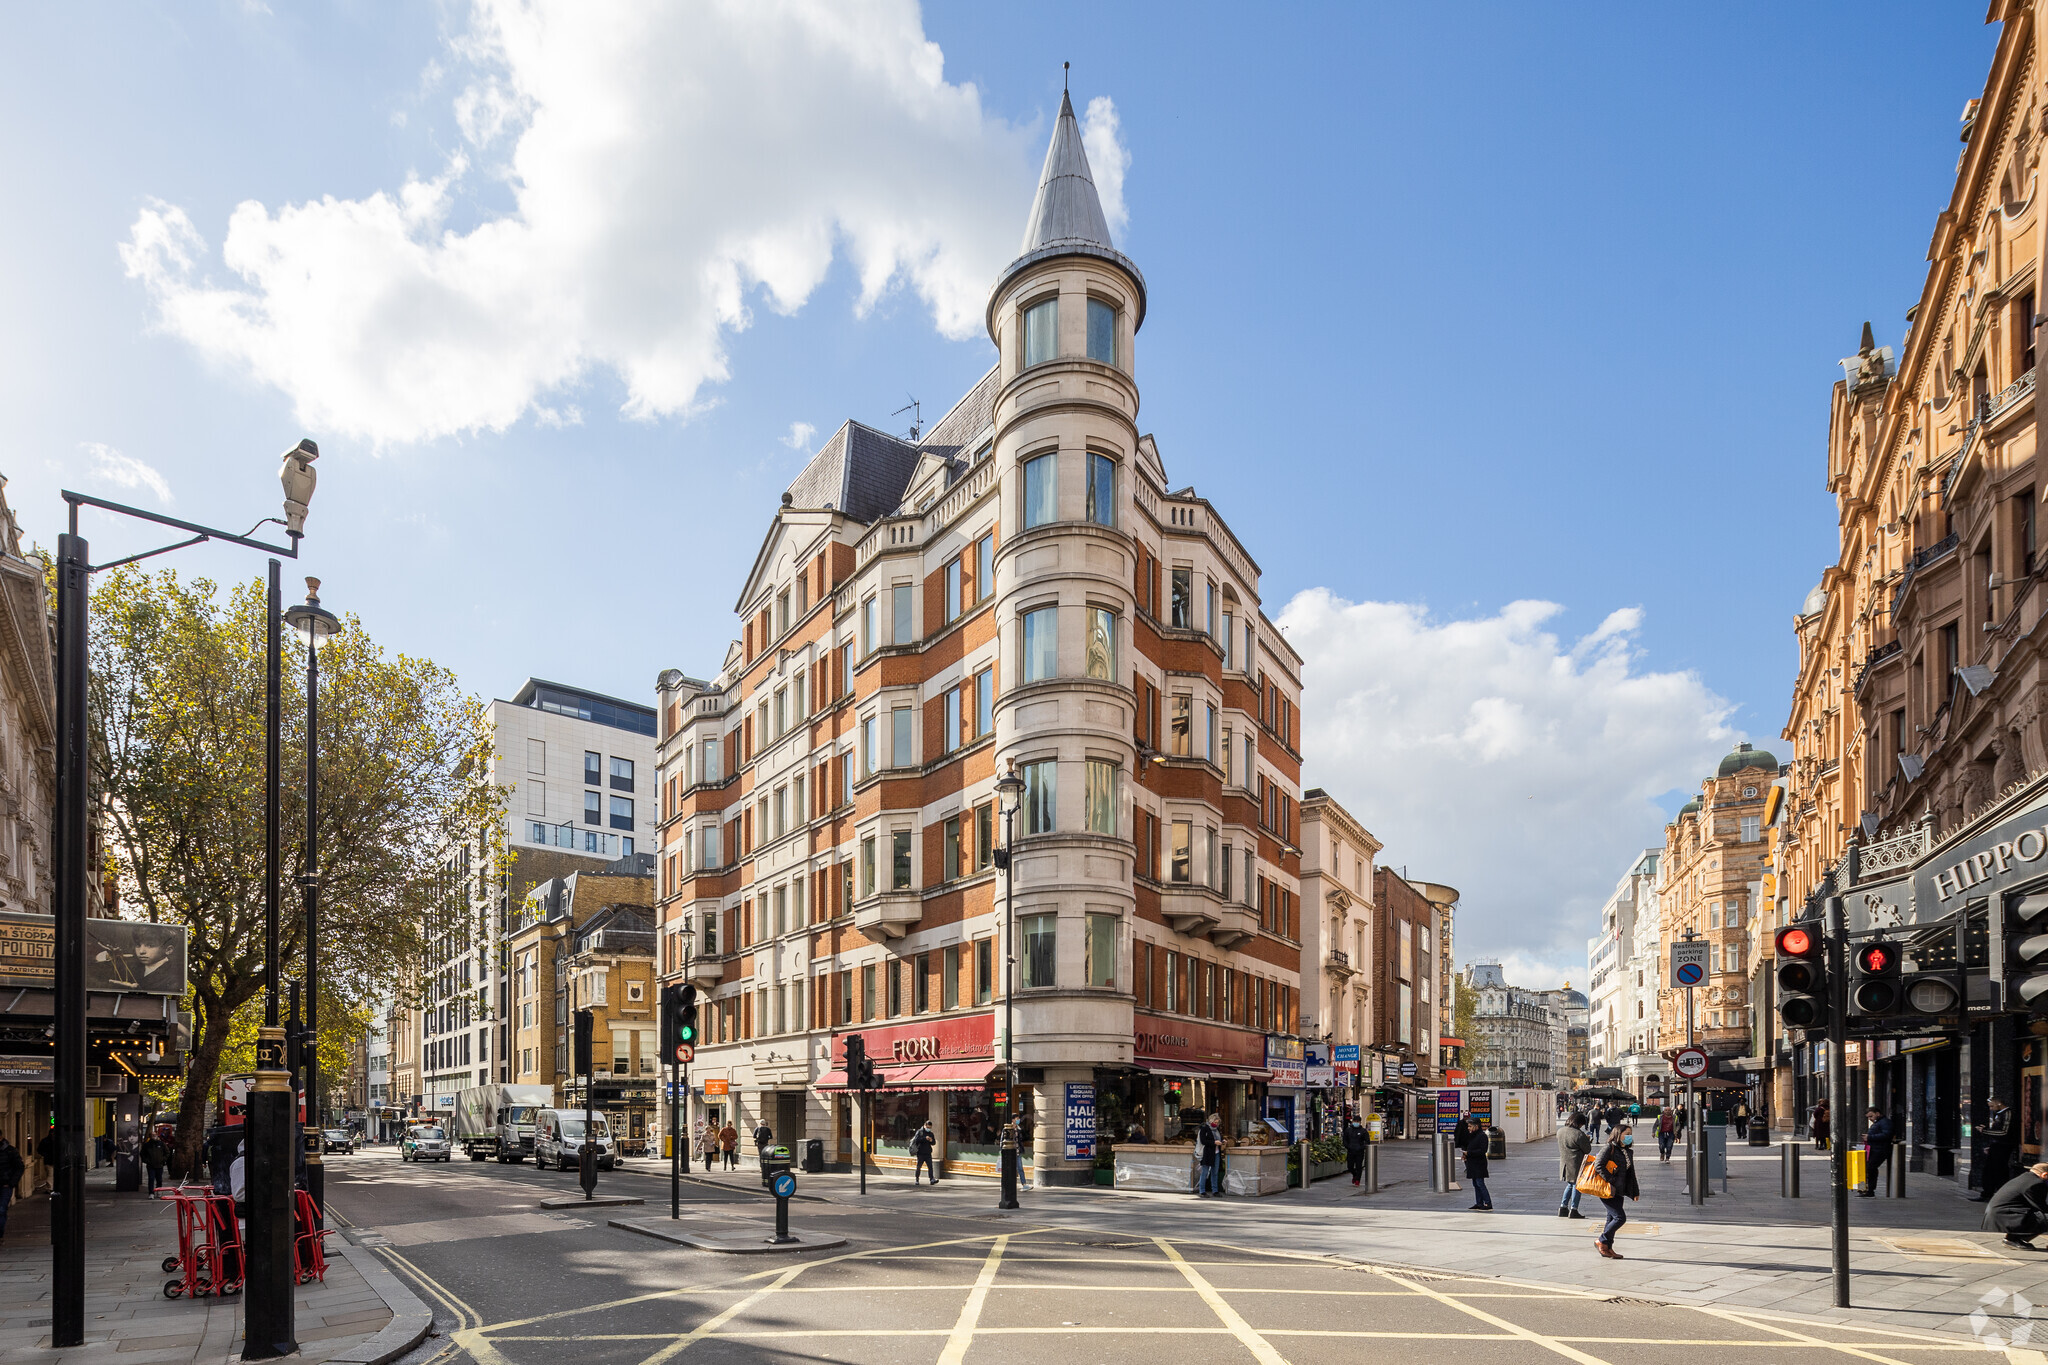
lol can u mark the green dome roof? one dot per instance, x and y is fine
(1691, 807)
(1744, 756)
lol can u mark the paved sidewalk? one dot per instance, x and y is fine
(356, 1316)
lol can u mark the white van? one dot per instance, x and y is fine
(558, 1140)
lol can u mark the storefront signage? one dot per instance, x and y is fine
(1316, 1066)
(1284, 1060)
(716, 1088)
(1185, 1040)
(1347, 1064)
(121, 955)
(1447, 1103)
(1080, 1121)
(935, 1040)
(1408, 1071)
(1479, 1106)
(2006, 853)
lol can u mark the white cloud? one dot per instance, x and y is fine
(125, 471)
(1108, 159)
(668, 166)
(1490, 755)
(800, 434)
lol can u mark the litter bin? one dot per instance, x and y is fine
(774, 1161)
(1496, 1145)
(814, 1156)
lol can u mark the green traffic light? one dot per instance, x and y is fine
(689, 1033)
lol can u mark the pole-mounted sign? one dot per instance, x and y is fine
(1688, 963)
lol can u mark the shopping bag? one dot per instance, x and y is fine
(1591, 1182)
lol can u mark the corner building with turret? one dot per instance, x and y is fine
(1019, 592)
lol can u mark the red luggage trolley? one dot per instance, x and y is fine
(309, 1239)
(209, 1244)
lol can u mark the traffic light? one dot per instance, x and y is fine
(585, 1024)
(686, 1025)
(860, 1072)
(1802, 977)
(1877, 989)
(2026, 954)
(678, 1019)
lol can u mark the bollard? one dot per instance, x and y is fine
(1897, 1182)
(1436, 1163)
(1372, 1168)
(1788, 1170)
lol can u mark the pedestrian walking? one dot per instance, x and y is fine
(729, 1145)
(1476, 1144)
(1616, 1167)
(1355, 1139)
(1209, 1151)
(2020, 1207)
(154, 1155)
(12, 1168)
(921, 1144)
(1820, 1126)
(1574, 1145)
(1998, 1150)
(1877, 1149)
(1667, 1133)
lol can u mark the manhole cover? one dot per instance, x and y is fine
(39, 1322)
(1634, 1303)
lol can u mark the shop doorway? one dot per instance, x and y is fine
(789, 1119)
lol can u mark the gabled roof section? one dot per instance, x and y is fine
(952, 436)
(860, 473)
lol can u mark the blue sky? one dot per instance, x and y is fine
(1446, 315)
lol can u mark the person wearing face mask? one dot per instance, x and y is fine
(1617, 1167)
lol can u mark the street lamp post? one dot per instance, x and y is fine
(269, 1306)
(1009, 788)
(314, 625)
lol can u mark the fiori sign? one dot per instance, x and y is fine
(935, 1040)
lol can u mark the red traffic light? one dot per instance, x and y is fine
(1797, 942)
(1878, 959)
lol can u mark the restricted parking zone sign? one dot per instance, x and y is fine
(1689, 963)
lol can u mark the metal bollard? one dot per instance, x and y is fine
(1372, 1168)
(1897, 1182)
(1437, 1167)
(1788, 1170)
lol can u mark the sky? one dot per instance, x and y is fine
(1504, 344)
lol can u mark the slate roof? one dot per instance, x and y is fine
(952, 436)
(859, 471)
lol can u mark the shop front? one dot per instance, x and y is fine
(628, 1106)
(941, 1072)
(1187, 1070)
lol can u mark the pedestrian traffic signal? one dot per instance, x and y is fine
(1877, 988)
(2026, 954)
(1802, 977)
(585, 1027)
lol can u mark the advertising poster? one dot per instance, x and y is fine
(1284, 1060)
(1316, 1068)
(121, 955)
(1347, 1064)
(1479, 1104)
(1447, 1106)
(1080, 1121)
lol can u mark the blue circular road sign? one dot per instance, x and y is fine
(785, 1185)
(1691, 974)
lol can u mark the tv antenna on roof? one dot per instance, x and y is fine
(916, 416)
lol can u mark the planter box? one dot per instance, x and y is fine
(1168, 1167)
(1105, 1177)
(1323, 1170)
(1255, 1170)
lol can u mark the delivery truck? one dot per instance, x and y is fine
(497, 1120)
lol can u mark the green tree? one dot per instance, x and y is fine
(1464, 1024)
(178, 755)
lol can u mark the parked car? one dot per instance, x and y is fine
(338, 1140)
(424, 1142)
(558, 1140)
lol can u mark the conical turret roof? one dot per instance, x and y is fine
(1066, 216)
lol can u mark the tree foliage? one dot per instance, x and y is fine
(177, 677)
(1464, 1023)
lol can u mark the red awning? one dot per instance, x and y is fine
(1219, 1070)
(930, 1076)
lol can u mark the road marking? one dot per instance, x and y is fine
(962, 1334)
(465, 1316)
(1525, 1333)
(711, 1325)
(1798, 1336)
(1261, 1349)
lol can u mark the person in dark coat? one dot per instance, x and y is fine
(154, 1154)
(1617, 1166)
(1476, 1143)
(921, 1145)
(2020, 1208)
(1877, 1149)
(1355, 1139)
(1574, 1145)
(1209, 1152)
(12, 1167)
(1998, 1150)
(1820, 1127)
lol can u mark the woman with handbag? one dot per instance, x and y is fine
(1574, 1146)
(1612, 1178)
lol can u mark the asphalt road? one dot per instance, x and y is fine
(515, 1284)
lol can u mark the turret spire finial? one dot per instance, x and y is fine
(1065, 68)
